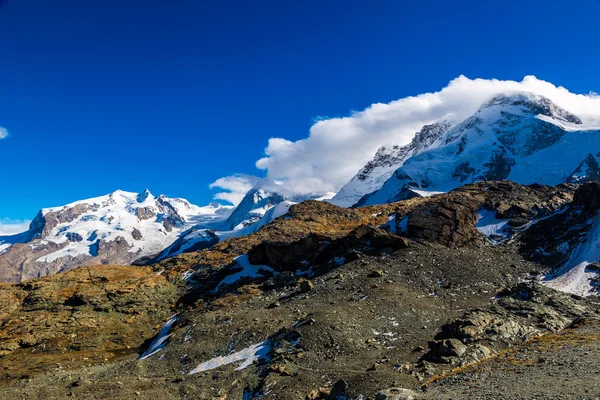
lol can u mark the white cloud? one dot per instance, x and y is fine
(3, 132)
(337, 148)
(235, 187)
(11, 227)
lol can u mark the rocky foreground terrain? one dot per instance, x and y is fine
(427, 298)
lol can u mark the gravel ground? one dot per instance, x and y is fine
(367, 322)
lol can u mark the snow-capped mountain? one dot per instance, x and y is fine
(522, 137)
(374, 174)
(200, 237)
(118, 228)
(252, 208)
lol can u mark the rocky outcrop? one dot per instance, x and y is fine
(519, 314)
(144, 213)
(551, 240)
(450, 219)
(310, 217)
(318, 251)
(587, 196)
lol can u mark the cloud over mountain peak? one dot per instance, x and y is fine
(337, 148)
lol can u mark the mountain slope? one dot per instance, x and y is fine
(246, 323)
(374, 174)
(522, 137)
(114, 229)
(252, 208)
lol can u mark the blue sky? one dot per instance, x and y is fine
(128, 94)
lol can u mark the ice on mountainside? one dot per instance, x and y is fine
(252, 208)
(374, 174)
(507, 138)
(125, 228)
(118, 228)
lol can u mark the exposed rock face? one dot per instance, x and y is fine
(450, 219)
(92, 312)
(54, 218)
(144, 213)
(136, 234)
(319, 251)
(74, 237)
(569, 228)
(521, 312)
(588, 196)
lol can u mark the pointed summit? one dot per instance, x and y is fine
(141, 197)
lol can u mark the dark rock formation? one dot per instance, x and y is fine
(318, 250)
(74, 237)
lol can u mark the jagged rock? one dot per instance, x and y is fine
(316, 249)
(136, 234)
(521, 312)
(144, 213)
(74, 237)
(451, 219)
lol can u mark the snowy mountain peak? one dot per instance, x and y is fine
(520, 137)
(118, 228)
(532, 103)
(141, 197)
(387, 159)
(252, 208)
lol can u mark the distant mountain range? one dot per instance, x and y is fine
(521, 137)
